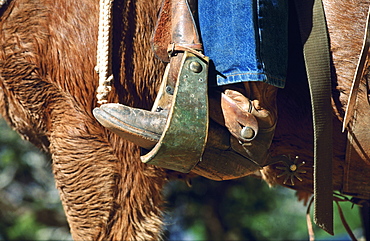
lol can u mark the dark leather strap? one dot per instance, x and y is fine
(317, 59)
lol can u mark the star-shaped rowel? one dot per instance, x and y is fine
(291, 170)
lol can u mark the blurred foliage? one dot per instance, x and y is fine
(30, 207)
(243, 209)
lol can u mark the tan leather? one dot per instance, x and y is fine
(175, 30)
(356, 121)
(237, 114)
(257, 148)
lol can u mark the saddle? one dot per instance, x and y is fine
(218, 134)
(356, 123)
(221, 135)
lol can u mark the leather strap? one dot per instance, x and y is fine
(317, 60)
(357, 119)
(164, 42)
(358, 75)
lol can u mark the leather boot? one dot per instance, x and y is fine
(142, 127)
(263, 98)
(257, 149)
(251, 120)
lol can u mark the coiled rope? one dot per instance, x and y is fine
(103, 65)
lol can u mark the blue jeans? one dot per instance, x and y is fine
(246, 39)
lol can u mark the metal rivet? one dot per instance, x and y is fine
(293, 167)
(247, 132)
(169, 90)
(196, 67)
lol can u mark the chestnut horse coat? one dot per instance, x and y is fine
(47, 93)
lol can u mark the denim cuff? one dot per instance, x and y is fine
(247, 40)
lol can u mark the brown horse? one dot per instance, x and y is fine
(48, 88)
(47, 93)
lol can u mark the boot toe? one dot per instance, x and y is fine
(142, 127)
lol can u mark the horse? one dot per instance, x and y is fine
(47, 94)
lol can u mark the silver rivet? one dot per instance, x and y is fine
(247, 132)
(169, 90)
(196, 67)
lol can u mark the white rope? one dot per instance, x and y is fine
(103, 67)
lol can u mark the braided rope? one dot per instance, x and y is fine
(103, 66)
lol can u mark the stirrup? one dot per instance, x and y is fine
(182, 138)
(177, 133)
(181, 106)
(175, 137)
